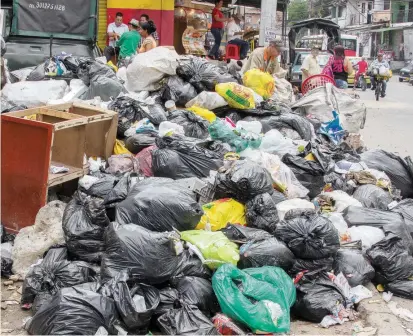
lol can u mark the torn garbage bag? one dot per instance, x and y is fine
(258, 297)
(84, 223)
(243, 234)
(399, 170)
(354, 266)
(262, 213)
(194, 125)
(315, 300)
(391, 259)
(177, 157)
(389, 222)
(149, 257)
(74, 311)
(177, 90)
(269, 252)
(309, 237)
(372, 196)
(160, 207)
(244, 180)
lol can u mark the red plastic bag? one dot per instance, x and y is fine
(144, 158)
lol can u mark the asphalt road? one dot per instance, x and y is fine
(389, 123)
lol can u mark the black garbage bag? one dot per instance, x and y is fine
(41, 299)
(135, 303)
(290, 121)
(84, 223)
(6, 259)
(405, 208)
(389, 222)
(269, 252)
(102, 187)
(203, 75)
(372, 196)
(185, 320)
(354, 266)
(244, 180)
(190, 265)
(311, 237)
(72, 63)
(169, 299)
(317, 300)
(160, 207)
(312, 267)
(148, 257)
(121, 190)
(402, 289)
(177, 90)
(399, 170)
(89, 70)
(177, 157)
(309, 173)
(197, 291)
(339, 182)
(194, 125)
(140, 141)
(38, 73)
(105, 88)
(262, 213)
(6, 237)
(242, 234)
(391, 259)
(74, 311)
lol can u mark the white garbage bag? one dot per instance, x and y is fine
(293, 204)
(283, 91)
(77, 88)
(368, 235)
(342, 200)
(274, 142)
(319, 103)
(147, 69)
(207, 100)
(33, 94)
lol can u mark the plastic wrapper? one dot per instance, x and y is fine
(290, 121)
(354, 266)
(269, 252)
(177, 90)
(150, 258)
(262, 213)
(312, 237)
(295, 204)
(178, 157)
(372, 196)
(160, 205)
(244, 234)
(405, 208)
(274, 142)
(207, 100)
(219, 213)
(389, 222)
(261, 82)
(121, 164)
(203, 75)
(194, 125)
(399, 170)
(215, 247)
(244, 180)
(315, 300)
(391, 259)
(74, 311)
(236, 95)
(226, 326)
(271, 290)
(203, 113)
(402, 289)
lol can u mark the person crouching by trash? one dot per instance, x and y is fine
(129, 41)
(265, 58)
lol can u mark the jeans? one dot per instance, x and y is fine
(243, 45)
(341, 84)
(383, 86)
(217, 33)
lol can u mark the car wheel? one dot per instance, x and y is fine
(400, 79)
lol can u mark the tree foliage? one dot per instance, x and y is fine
(297, 11)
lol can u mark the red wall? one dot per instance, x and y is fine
(163, 19)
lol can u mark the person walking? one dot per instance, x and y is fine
(339, 67)
(148, 42)
(310, 66)
(128, 42)
(233, 36)
(217, 28)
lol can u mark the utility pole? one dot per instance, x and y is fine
(268, 21)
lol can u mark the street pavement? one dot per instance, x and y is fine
(389, 123)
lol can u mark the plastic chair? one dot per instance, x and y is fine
(232, 52)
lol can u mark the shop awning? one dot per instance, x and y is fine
(390, 28)
(281, 4)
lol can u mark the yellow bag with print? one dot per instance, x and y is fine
(219, 213)
(203, 113)
(261, 82)
(120, 148)
(237, 96)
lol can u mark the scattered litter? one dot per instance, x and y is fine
(58, 170)
(403, 313)
(387, 296)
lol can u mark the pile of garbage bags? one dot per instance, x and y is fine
(219, 207)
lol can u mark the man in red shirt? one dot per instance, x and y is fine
(217, 28)
(362, 68)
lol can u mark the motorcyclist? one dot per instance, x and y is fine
(376, 65)
(362, 68)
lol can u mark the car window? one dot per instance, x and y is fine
(322, 59)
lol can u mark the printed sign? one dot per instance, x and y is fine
(270, 34)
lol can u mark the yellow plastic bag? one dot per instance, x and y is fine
(113, 66)
(237, 96)
(219, 213)
(120, 148)
(261, 82)
(204, 113)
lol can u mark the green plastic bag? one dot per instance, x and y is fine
(215, 247)
(260, 298)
